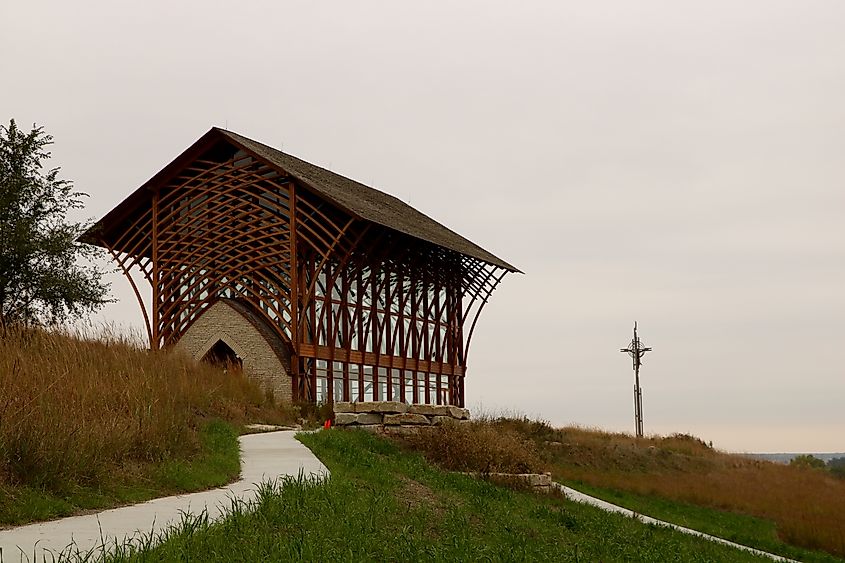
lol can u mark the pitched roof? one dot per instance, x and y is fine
(354, 197)
(368, 203)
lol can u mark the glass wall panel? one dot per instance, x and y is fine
(337, 375)
(395, 380)
(410, 389)
(384, 384)
(369, 391)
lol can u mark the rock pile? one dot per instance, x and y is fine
(390, 415)
(537, 482)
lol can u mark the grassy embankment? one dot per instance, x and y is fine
(384, 503)
(88, 424)
(795, 512)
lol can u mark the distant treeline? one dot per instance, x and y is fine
(786, 458)
(835, 465)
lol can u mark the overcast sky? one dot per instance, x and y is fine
(676, 163)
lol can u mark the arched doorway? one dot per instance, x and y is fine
(231, 332)
(222, 355)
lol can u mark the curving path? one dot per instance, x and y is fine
(578, 496)
(264, 457)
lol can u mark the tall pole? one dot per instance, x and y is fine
(637, 350)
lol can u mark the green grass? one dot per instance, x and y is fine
(217, 463)
(746, 530)
(384, 504)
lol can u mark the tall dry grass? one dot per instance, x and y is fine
(73, 409)
(807, 505)
(476, 447)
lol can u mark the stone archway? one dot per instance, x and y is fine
(221, 354)
(228, 330)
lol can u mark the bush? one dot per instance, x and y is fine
(806, 461)
(478, 447)
(837, 467)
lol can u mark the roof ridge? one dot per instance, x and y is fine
(369, 203)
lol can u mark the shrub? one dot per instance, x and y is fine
(476, 446)
(807, 461)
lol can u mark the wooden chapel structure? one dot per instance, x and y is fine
(362, 296)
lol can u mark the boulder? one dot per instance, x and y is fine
(402, 430)
(403, 419)
(459, 413)
(369, 418)
(344, 407)
(539, 479)
(345, 418)
(382, 406)
(431, 410)
(438, 420)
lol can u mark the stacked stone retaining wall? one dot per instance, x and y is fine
(537, 482)
(393, 415)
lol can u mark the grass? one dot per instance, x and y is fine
(94, 423)
(739, 528)
(217, 463)
(802, 507)
(475, 447)
(385, 503)
(88, 424)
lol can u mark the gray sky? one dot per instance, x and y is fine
(678, 163)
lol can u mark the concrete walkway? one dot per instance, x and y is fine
(264, 457)
(578, 496)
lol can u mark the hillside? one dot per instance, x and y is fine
(87, 424)
(680, 478)
(92, 423)
(384, 503)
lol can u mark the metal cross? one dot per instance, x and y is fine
(637, 350)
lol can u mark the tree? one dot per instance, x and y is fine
(837, 466)
(42, 280)
(807, 460)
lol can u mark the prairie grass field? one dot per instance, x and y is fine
(801, 507)
(732, 526)
(89, 423)
(384, 503)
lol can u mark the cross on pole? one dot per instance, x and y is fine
(637, 350)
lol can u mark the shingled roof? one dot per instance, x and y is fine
(354, 197)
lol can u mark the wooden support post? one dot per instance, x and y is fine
(402, 349)
(327, 314)
(156, 305)
(375, 336)
(295, 307)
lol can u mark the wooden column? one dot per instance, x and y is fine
(156, 282)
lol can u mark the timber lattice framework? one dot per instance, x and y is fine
(375, 300)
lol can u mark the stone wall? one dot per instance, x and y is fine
(389, 415)
(537, 482)
(265, 361)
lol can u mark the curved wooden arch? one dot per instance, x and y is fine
(134, 286)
